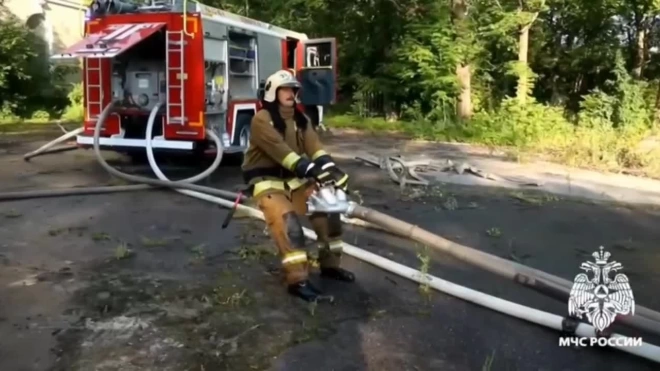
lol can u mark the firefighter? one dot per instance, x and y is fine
(283, 164)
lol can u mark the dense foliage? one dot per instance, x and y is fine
(579, 79)
(29, 86)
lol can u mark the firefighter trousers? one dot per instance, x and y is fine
(283, 212)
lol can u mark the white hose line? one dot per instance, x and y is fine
(159, 174)
(53, 143)
(152, 160)
(648, 351)
(141, 179)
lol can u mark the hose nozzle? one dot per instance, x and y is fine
(328, 199)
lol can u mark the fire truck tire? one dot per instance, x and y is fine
(313, 113)
(243, 127)
(242, 139)
(137, 158)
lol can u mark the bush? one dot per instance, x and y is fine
(75, 110)
(612, 125)
(522, 126)
(7, 112)
(27, 81)
(40, 116)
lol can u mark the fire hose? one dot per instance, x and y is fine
(647, 320)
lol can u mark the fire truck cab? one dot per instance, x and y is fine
(205, 66)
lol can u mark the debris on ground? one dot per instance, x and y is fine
(405, 172)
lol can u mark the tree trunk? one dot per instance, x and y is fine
(523, 67)
(657, 105)
(463, 71)
(389, 108)
(464, 102)
(577, 85)
(639, 52)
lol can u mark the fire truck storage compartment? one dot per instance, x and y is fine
(270, 52)
(318, 74)
(139, 82)
(215, 75)
(242, 56)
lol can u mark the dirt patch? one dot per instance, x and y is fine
(237, 317)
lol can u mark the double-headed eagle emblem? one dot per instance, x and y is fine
(601, 298)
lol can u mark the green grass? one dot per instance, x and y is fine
(368, 124)
(12, 121)
(422, 130)
(32, 125)
(585, 148)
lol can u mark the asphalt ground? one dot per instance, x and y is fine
(149, 281)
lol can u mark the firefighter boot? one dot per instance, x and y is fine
(286, 231)
(328, 229)
(306, 291)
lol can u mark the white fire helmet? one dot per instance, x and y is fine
(280, 79)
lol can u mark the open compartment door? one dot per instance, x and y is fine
(318, 74)
(110, 41)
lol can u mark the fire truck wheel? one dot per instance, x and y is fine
(243, 140)
(137, 158)
(313, 113)
(244, 137)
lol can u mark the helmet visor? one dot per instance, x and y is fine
(290, 84)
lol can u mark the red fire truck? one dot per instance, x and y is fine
(205, 66)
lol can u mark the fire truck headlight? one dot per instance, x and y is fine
(143, 100)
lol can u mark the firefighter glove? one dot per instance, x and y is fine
(305, 169)
(329, 172)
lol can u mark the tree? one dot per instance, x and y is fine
(527, 12)
(459, 11)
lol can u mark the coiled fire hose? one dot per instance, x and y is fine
(519, 273)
